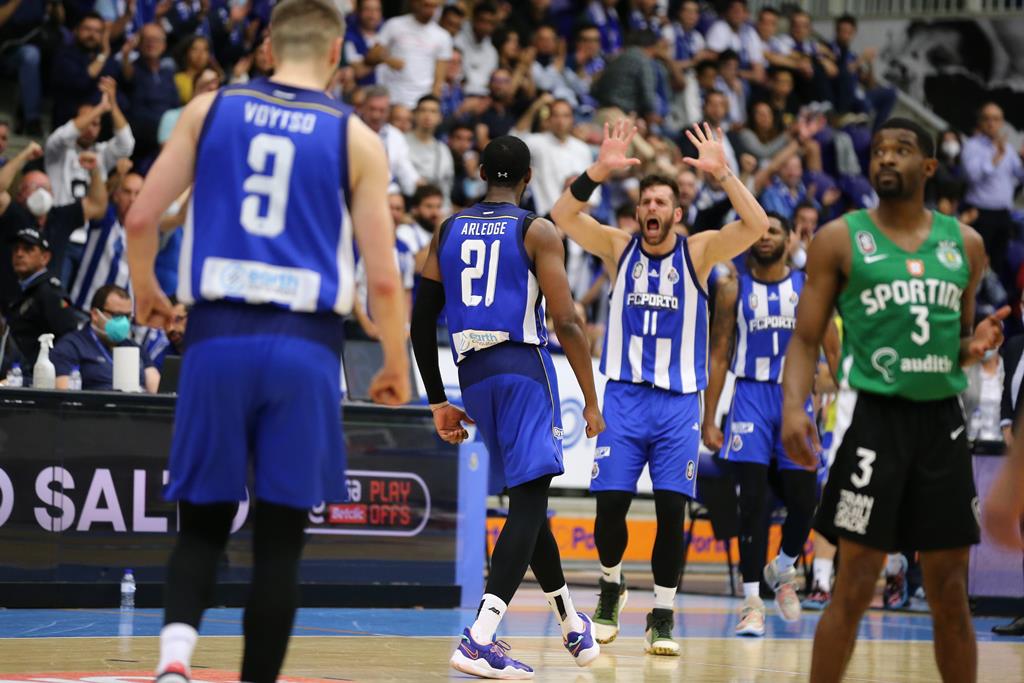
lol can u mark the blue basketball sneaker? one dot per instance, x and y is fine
(581, 644)
(488, 661)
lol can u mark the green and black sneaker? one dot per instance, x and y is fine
(612, 599)
(658, 636)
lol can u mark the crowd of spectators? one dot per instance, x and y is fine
(440, 80)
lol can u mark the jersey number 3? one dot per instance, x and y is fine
(269, 190)
(474, 255)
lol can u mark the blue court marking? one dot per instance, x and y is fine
(698, 617)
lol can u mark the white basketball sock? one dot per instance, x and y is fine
(823, 573)
(612, 574)
(177, 641)
(492, 609)
(784, 562)
(664, 597)
(752, 590)
(565, 612)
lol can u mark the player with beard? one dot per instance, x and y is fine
(655, 358)
(903, 279)
(755, 315)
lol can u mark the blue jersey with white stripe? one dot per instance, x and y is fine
(269, 220)
(490, 290)
(657, 322)
(765, 320)
(104, 261)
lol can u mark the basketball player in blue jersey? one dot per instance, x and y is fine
(655, 358)
(488, 267)
(282, 176)
(755, 315)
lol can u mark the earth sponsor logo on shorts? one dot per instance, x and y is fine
(691, 470)
(596, 470)
(737, 443)
(853, 512)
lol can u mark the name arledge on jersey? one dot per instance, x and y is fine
(484, 229)
(269, 116)
(652, 300)
(930, 291)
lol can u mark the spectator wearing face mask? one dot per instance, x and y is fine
(80, 134)
(91, 348)
(33, 206)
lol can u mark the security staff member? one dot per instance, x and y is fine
(42, 305)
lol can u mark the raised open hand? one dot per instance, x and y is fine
(710, 151)
(617, 139)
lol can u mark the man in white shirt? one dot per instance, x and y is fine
(479, 56)
(732, 32)
(556, 154)
(421, 47)
(70, 181)
(374, 112)
(430, 157)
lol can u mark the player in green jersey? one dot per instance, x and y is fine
(903, 279)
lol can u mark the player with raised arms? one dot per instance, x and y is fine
(655, 357)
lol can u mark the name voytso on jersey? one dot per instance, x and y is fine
(270, 201)
(490, 289)
(765, 320)
(657, 322)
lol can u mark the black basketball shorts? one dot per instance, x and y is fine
(902, 476)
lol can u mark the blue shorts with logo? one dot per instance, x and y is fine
(511, 392)
(753, 431)
(647, 426)
(261, 389)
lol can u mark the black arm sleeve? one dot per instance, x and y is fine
(426, 309)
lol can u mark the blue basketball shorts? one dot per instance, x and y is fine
(647, 426)
(270, 402)
(753, 430)
(511, 392)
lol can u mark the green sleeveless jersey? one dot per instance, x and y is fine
(901, 312)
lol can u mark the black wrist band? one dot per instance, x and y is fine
(583, 187)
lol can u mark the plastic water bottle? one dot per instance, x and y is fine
(75, 379)
(14, 376)
(128, 590)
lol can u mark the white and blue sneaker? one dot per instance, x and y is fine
(581, 644)
(489, 660)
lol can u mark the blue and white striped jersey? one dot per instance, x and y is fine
(765, 320)
(490, 290)
(104, 261)
(269, 221)
(658, 321)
